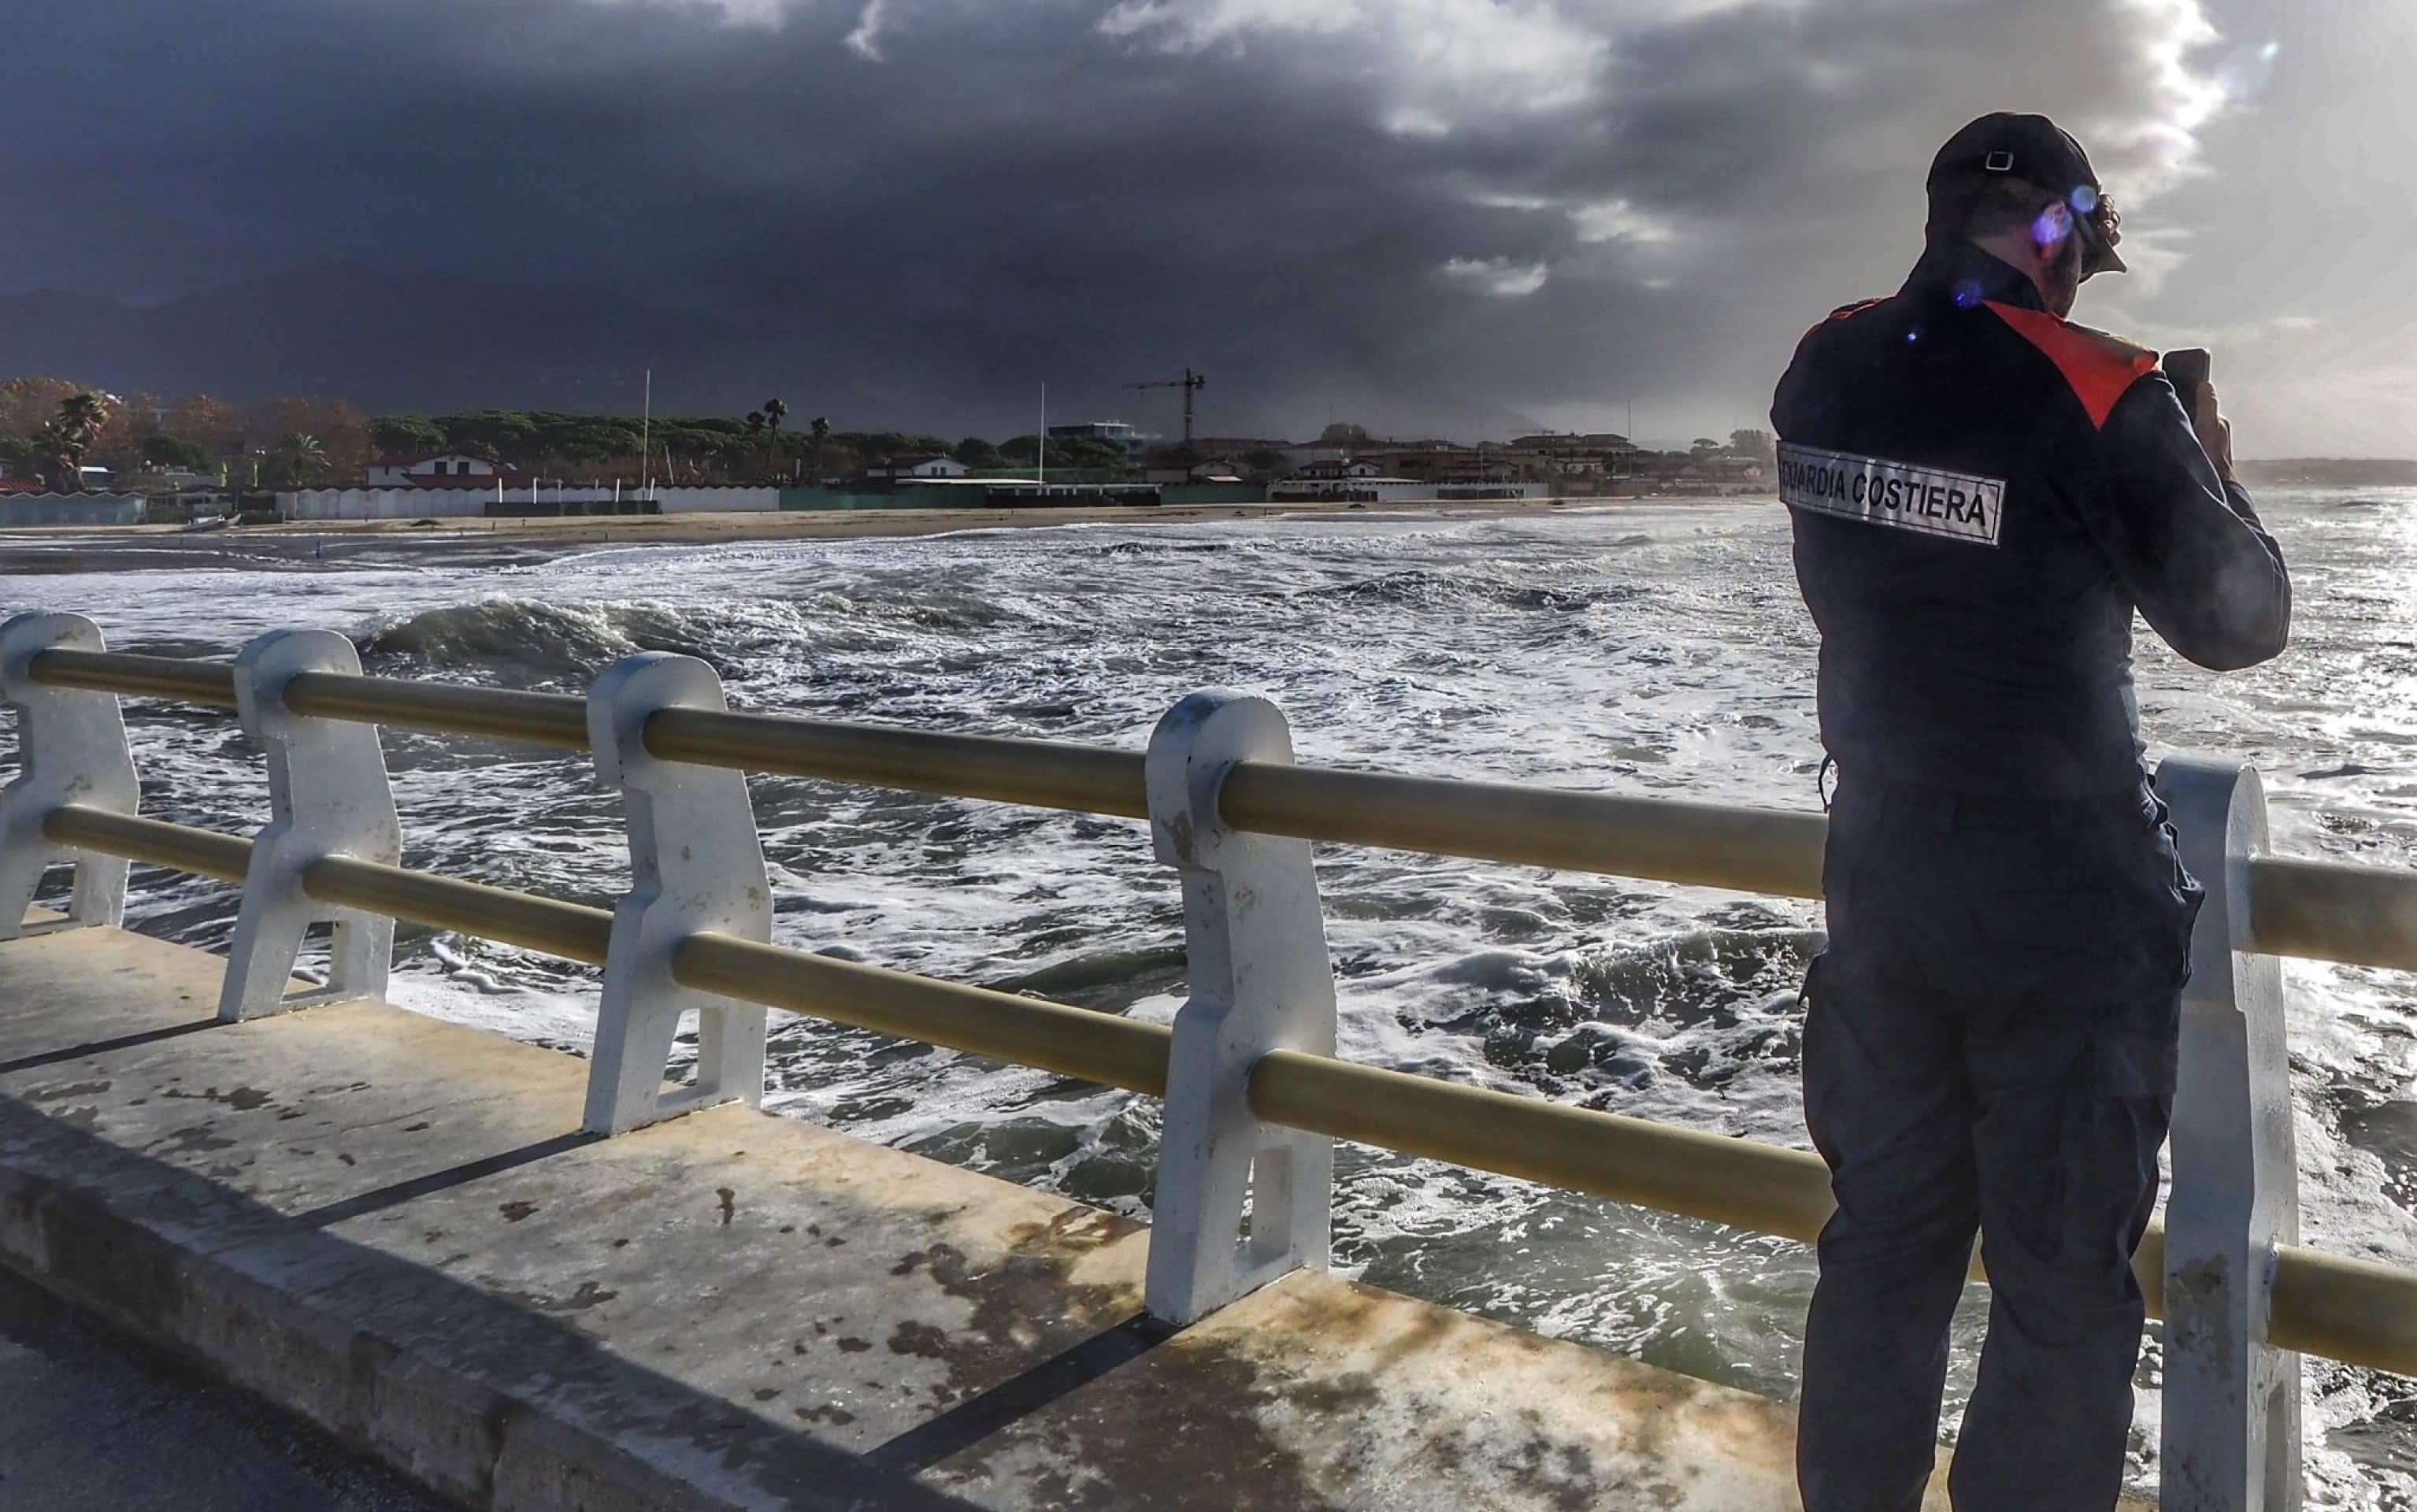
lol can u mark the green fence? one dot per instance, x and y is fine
(903, 499)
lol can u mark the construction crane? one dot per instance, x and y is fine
(1191, 383)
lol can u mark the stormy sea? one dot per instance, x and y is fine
(1642, 649)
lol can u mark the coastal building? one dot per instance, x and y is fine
(1363, 480)
(919, 465)
(1217, 470)
(1725, 471)
(154, 481)
(1113, 433)
(445, 470)
(1340, 470)
(1346, 481)
(1598, 454)
(1445, 461)
(1116, 432)
(1307, 453)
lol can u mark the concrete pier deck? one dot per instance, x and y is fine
(392, 1226)
(91, 1421)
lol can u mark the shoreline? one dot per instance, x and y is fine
(737, 528)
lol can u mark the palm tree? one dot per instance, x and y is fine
(771, 416)
(59, 456)
(87, 409)
(754, 429)
(300, 454)
(821, 428)
(63, 441)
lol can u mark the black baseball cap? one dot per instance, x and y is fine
(2033, 149)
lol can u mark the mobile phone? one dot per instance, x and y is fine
(2189, 366)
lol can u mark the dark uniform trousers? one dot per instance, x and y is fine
(1989, 1047)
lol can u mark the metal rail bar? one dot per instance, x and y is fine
(1751, 849)
(555, 720)
(1044, 774)
(558, 720)
(2353, 1310)
(574, 932)
(2324, 911)
(1740, 1182)
(202, 853)
(1081, 1043)
(2334, 1306)
(2359, 915)
(2316, 909)
(119, 671)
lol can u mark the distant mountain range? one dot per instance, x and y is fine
(390, 342)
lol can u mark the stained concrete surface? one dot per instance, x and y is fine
(392, 1226)
(92, 1422)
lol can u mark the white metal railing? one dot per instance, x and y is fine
(1253, 1089)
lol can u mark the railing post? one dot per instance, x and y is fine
(1255, 940)
(327, 796)
(2231, 1440)
(696, 866)
(70, 749)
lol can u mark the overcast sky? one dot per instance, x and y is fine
(1456, 216)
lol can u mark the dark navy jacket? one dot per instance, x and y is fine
(1982, 496)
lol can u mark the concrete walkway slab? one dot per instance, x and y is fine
(1347, 1397)
(92, 1423)
(392, 1226)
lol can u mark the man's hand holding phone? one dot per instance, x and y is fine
(2189, 368)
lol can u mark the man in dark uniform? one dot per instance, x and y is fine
(1983, 494)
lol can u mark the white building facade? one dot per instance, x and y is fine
(447, 466)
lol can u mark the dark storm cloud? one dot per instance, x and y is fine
(1445, 214)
